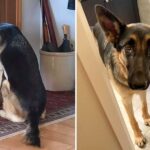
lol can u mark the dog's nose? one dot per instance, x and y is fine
(138, 81)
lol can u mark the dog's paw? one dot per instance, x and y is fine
(32, 140)
(147, 122)
(140, 141)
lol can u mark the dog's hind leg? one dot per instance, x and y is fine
(11, 108)
(145, 114)
(139, 139)
(32, 131)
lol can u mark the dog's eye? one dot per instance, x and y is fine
(129, 51)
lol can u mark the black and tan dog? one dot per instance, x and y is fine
(125, 50)
(22, 89)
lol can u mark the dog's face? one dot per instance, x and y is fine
(132, 43)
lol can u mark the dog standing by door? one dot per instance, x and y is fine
(125, 51)
(22, 89)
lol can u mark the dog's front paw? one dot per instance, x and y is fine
(147, 122)
(33, 140)
(140, 141)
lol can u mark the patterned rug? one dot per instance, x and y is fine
(59, 105)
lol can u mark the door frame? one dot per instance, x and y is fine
(89, 57)
(11, 12)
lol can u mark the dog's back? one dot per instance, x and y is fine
(21, 66)
(23, 85)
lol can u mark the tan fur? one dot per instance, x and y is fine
(126, 95)
(110, 37)
(12, 109)
(147, 37)
(133, 36)
(11, 106)
(123, 64)
(118, 74)
(120, 65)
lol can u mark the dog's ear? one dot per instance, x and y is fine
(111, 25)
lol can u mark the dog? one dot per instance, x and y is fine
(125, 51)
(22, 89)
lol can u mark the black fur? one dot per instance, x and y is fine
(20, 63)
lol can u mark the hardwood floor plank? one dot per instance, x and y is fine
(70, 123)
(62, 128)
(56, 136)
(59, 136)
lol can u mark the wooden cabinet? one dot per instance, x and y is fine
(10, 11)
(126, 10)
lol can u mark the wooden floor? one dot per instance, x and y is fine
(59, 136)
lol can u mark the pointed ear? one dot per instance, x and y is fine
(111, 25)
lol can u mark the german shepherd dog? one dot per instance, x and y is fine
(125, 51)
(22, 89)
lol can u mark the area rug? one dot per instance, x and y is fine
(59, 105)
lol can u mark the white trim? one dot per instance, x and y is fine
(97, 74)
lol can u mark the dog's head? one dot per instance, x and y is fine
(132, 42)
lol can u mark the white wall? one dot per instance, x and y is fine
(32, 23)
(61, 15)
(93, 125)
(144, 11)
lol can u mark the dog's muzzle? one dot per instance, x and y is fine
(138, 81)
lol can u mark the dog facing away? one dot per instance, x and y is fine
(125, 51)
(22, 89)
